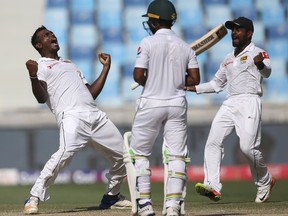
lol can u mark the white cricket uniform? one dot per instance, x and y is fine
(79, 121)
(240, 111)
(162, 103)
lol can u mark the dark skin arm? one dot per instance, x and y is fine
(258, 61)
(39, 87)
(192, 79)
(190, 88)
(96, 87)
(140, 75)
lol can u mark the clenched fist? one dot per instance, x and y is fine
(258, 61)
(105, 59)
(32, 67)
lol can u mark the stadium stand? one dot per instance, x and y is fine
(83, 35)
(82, 5)
(248, 12)
(263, 5)
(111, 92)
(216, 14)
(56, 19)
(259, 35)
(85, 27)
(278, 48)
(236, 4)
(112, 34)
(190, 17)
(212, 2)
(57, 4)
(130, 3)
(188, 4)
(192, 33)
(285, 2)
(273, 16)
(279, 31)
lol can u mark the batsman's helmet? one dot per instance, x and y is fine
(161, 9)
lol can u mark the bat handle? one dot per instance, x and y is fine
(134, 86)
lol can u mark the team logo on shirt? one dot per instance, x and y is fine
(52, 65)
(227, 63)
(243, 58)
(139, 51)
(265, 55)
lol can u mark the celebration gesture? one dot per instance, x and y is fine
(32, 67)
(105, 59)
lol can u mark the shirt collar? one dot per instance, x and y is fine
(165, 31)
(45, 59)
(250, 47)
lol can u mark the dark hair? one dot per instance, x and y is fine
(34, 38)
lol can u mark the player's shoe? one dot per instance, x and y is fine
(114, 202)
(172, 212)
(31, 205)
(264, 194)
(146, 210)
(208, 192)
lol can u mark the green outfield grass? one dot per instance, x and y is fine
(238, 199)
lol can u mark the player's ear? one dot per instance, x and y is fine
(38, 45)
(249, 33)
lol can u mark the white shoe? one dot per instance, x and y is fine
(115, 202)
(122, 203)
(264, 194)
(172, 212)
(146, 210)
(31, 205)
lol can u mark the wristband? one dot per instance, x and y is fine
(33, 77)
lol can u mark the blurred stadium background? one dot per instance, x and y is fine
(28, 132)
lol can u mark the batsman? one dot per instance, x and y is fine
(164, 65)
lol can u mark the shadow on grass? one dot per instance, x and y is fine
(84, 209)
(228, 214)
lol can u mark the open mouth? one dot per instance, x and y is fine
(234, 39)
(54, 41)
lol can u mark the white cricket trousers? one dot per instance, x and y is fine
(151, 116)
(242, 113)
(76, 129)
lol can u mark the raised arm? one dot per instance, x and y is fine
(96, 87)
(39, 87)
(260, 60)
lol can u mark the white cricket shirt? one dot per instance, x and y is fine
(66, 86)
(239, 74)
(166, 58)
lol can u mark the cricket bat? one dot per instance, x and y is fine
(204, 43)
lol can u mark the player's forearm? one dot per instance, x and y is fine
(204, 88)
(39, 90)
(214, 86)
(97, 86)
(139, 76)
(266, 71)
(193, 77)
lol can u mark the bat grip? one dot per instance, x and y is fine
(134, 86)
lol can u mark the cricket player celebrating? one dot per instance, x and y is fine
(241, 72)
(61, 85)
(164, 64)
